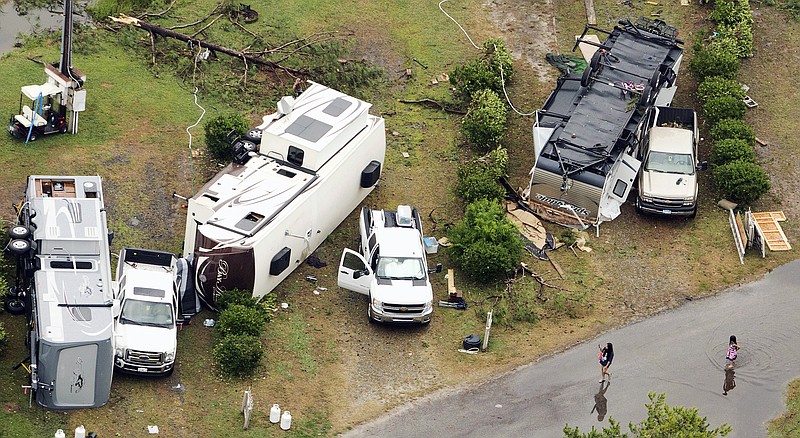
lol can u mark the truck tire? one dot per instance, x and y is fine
(586, 78)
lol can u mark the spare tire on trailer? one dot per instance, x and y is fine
(19, 232)
(14, 306)
(19, 246)
(586, 78)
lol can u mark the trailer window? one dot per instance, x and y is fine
(62, 264)
(620, 187)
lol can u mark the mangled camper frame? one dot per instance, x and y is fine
(64, 279)
(586, 134)
(294, 179)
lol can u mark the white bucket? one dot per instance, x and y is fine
(286, 420)
(80, 432)
(275, 413)
(60, 434)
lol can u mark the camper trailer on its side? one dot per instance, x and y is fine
(64, 271)
(294, 179)
(586, 135)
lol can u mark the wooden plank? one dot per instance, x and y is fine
(556, 266)
(590, 15)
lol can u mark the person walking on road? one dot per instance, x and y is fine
(733, 352)
(606, 357)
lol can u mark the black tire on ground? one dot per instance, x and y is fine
(19, 232)
(15, 306)
(594, 64)
(369, 312)
(32, 137)
(19, 246)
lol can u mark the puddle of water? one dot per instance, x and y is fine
(13, 24)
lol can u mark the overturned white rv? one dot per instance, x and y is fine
(293, 181)
(586, 135)
(62, 243)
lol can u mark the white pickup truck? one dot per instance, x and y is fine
(391, 268)
(145, 312)
(667, 183)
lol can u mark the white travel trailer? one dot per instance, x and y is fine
(586, 136)
(62, 243)
(294, 179)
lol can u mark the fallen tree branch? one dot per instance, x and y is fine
(182, 26)
(435, 104)
(194, 35)
(159, 14)
(158, 30)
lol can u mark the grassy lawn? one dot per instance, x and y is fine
(134, 135)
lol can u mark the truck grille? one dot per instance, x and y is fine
(668, 202)
(143, 358)
(403, 308)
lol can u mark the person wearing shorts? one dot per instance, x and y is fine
(733, 351)
(606, 357)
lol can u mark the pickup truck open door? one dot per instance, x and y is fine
(354, 273)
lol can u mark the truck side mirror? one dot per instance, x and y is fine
(703, 165)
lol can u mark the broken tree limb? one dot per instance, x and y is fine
(435, 104)
(162, 31)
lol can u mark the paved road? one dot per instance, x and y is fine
(680, 352)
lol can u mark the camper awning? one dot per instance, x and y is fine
(46, 89)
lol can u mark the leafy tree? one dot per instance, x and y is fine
(217, 130)
(741, 181)
(662, 421)
(485, 122)
(3, 338)
(487, 72)
(485, 244)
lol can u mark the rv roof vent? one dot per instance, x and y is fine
(90, 189)
(285, 105)
(404, 216)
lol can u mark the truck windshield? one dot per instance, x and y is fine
(400, 268)
(146, 313)
(670, 163)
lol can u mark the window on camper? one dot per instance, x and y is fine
(619, 188)
(146, 313)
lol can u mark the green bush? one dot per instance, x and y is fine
(217, 130)
(732, 12)
(715, 86)
(240, 320)
(485, 122)
(741, 181)
(487, 72)
(238, 355)
(485, 244)
(478, 179)
(736, 38)
(732, 149)
(235, 296)
(713, 60)
(3, 338)
(723, 107)
(733, 128)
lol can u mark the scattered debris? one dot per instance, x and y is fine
(749, 102)
(311, 278)
(152, 430)
(475, 350)
(209, 323)
(284, 305)
(453, 295)
(761, 142)
(768, 226)
(726, 205)
(435, 104)
(405, 154)
(315, 292)
(322, 288)
(420, 64)
(444, 241)
(314, 261)
(462, 305)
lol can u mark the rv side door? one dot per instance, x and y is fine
(624, 177)
(365, 227)
(354, 274)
